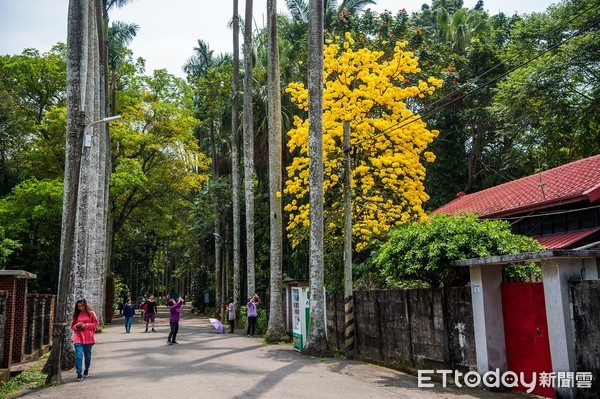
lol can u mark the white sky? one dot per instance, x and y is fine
(169, 30)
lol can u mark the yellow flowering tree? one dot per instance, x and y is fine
(389, 143)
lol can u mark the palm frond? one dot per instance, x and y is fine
(298, 10)
(354, 6)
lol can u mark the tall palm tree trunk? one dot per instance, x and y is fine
(82, 230)
(217, 230)
(276, 329)
(249, 150)
(235, 157)
(317, 334)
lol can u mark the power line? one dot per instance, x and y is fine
(476, 78)
(400, 125)
(548, 213)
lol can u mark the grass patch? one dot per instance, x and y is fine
(32, 378)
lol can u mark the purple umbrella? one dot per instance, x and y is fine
(218, 325)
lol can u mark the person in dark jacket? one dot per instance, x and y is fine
(150, 312)
(128, 312)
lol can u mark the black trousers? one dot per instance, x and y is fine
(174, 331)
(231, 323)
(251, 330)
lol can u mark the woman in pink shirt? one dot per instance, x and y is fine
(84, 325)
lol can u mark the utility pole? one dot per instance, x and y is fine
(348, 297)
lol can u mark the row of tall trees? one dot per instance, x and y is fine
(444, 100)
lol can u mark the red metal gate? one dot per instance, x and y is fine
(526, 332)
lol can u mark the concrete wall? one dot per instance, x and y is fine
(408, 328)
(585, 300)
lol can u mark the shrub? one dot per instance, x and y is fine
(261, 320)
(425, 251)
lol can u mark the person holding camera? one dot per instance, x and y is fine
(175, 310)
(252, 312)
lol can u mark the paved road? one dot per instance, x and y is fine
(207, 364)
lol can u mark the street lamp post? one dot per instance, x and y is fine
(61, 322)
(87, 136)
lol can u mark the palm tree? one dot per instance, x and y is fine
(299, 10)
(249, 150)
(276, 331)
(460, 28)
(204, 64)
(83, 231)
(317, 339)
(112, 53)
(235, 156)
(120, 34)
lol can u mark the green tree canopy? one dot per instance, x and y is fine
(30, 217)
(549, 107)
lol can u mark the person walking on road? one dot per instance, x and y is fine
(84, 325)
(175, 310)
(142, 305)
(231, 314)
(128, 313)
(150, 313)
(253, 303)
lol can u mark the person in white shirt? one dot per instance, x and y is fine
(231, 314)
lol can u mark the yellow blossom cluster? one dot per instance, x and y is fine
(389, 143)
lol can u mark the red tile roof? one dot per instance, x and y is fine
(564, 240)
(573, 182)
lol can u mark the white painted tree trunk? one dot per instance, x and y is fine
(249, 151)
(276, 328)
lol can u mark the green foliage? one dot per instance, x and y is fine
(545, 111)
(31, 85)
(7, 247)
(528, 272)
(425, 251)
(377, 31)
(366, 276)
(121, 291)
(201, 283)
(158, 171)
(127, 175)
(261, 320)
(550, 105)
(45, 158)
(35, 81)
(30, 379)
(30, 217)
